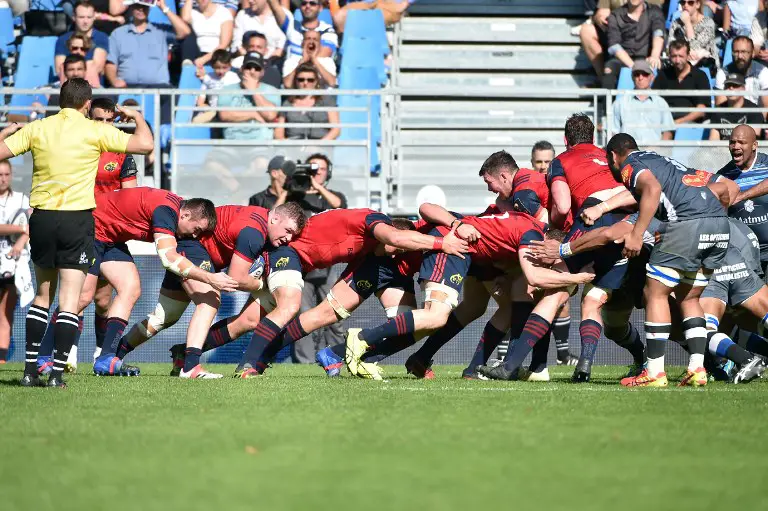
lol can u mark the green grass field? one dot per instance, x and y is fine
(298, 440)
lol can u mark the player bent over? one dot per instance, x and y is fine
(241, 233)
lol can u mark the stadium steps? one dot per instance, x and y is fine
(440, 56)
(509, 81)
(562, 8)
(483, 30)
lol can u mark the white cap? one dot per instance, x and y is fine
(432, 194)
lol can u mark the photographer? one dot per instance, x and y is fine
(306, 184)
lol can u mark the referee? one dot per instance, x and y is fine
(65, 151)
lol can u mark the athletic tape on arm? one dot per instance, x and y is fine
(180, 266)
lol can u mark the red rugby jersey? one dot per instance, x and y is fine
(240, 230)
(584, 168)
(114, 170)
(136, 214)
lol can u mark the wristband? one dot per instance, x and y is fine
(438, 244)
(565, 250)
(602, 206)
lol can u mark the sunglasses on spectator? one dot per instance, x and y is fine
(688, 2)
(310, 3)
(77, 48)
(641, 73)
(252, 66)
(305, 80)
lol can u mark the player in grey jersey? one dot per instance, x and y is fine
(693, 246)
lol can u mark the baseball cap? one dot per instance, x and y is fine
(276, 163)
(643, 67)
(734, 79)
(253, 58)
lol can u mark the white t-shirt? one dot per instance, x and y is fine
(212, 82)
(245, 22)
(10, 204)
(292, 62)
(756, 79)
(208, 30)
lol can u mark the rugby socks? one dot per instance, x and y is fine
(656, 337)
(720, 345)
(3, 355)
(402, 324)
(218, 335)
(36, 323)
(266, 332)
(539, 355)
(386, 348)
(191, 358)
(340, 350)
(294, 331)
(589, 331)
(534, 330)
(124, 348)
(521, 312)
(490, 339)
(630, 341)
(753, 342)
(100, 327)
(114, 332)
(440, 338)
(695, 330)
(46, 345)
(561, 330)
(65, 334)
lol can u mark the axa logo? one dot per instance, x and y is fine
(282, 262)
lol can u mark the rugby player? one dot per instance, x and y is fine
(694, 243)
(503, 240)
(116, 171)
(143, 214)
(241, 234)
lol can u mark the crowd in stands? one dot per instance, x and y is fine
(259, 45)
(703, 45)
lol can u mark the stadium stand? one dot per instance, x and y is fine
(34, 69)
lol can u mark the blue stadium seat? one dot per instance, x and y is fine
(189, 154)
(325, 15)
(34, 69)
(45, 5)
(7, 38)
(673, 13)
(690, 134)
(728, 53)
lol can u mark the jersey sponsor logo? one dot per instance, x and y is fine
(600, 162)
(456, 279)
(282, 262)
(363, 285)
(206, 265)
(698, 178)
(626, 174)
(110, 166)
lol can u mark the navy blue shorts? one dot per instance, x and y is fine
(484, 272)
(196, 253)
(373, 274)
(443, 268)
(610, 267)
(281, 258)
(105, 252)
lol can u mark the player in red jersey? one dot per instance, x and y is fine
(580, 178)
(330, 237)
(143, 214)
(499, 240)
(241, 234)
(116, 171)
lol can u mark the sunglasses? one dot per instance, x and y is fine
(640, 73)
(77, 48)
(305, 80)
(311, 3)
(251, 66)
(688, 2)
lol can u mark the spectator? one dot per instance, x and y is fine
(96, 58)
(13, 241)
(212, 26)
(738, 16)
(647, 118)
(79, 44)
(755, 74)
(593, 33)
(74, 67)
(256, 16)
(268, 197)
(734, 82)
(221, 76)
(138, 51)
(681, 75)
(759, 35)
(256, 42)
(310, 47)
(635, 32)
(294, 30)
(307, 77)
(105, 20)
(542, 155)
(698, 30)
(393, 10)
(255, 94)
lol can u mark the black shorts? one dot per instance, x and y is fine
(196, 253)
(104, 252)
(373, 274)
(61, 239)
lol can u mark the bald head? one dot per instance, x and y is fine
(743, 146)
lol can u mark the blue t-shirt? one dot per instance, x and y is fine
(100, 40)
(250, 130)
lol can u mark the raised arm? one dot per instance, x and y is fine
(141, 141)
(278, 12)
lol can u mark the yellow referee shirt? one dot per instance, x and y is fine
(65, 152)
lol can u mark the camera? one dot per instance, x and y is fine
(299, 176)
